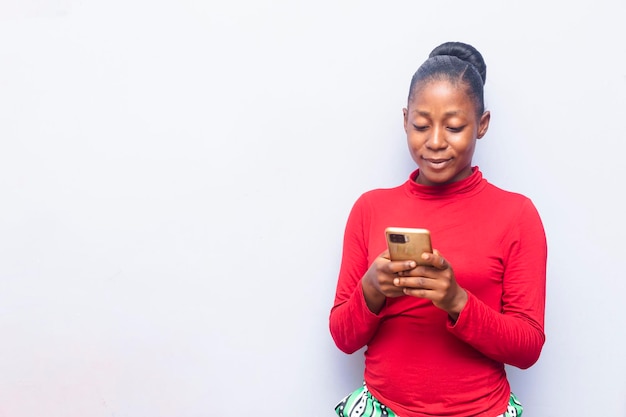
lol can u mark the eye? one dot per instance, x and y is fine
(420, 128)
(455, 129)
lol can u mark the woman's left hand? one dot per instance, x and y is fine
(436, 282)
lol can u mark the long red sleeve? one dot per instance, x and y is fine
(518, 328)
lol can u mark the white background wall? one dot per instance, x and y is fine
(175, 177)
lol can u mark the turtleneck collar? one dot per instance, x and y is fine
(465, 187)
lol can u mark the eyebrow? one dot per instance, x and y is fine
(448, 113)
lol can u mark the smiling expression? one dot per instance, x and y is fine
(442, 126)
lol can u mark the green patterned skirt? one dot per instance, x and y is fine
(361, 403)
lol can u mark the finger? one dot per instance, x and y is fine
(418, 271)
(439, 261)
(419, 292)
(418, 283)
(393, 267)
(394, 291)
(397, 267)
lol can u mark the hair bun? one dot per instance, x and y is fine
(464, 52)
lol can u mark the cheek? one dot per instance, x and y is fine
(464, 143)
(414, 146)
(466, 148)
(414, 140)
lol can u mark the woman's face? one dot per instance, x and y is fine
(442, 127)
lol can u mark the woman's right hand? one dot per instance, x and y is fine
(378, 281)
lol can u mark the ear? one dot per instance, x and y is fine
(483, 124)
(405, 113)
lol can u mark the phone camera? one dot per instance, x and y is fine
(398, 238)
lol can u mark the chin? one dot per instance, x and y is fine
(430, 178)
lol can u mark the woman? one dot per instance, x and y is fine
(438, 336)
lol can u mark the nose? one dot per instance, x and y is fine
(437, 140)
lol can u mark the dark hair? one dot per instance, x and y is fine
(456, 62)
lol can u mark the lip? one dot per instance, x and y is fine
(437, 163)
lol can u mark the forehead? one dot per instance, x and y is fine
(442, 93)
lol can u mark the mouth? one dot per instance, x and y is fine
(437, 163)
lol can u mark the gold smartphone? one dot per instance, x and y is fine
(408, 243)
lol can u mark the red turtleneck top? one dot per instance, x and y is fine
(418, 362)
